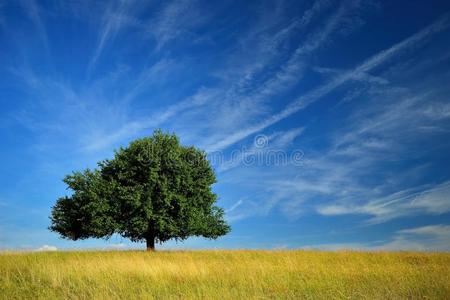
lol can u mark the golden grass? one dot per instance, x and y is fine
(224, 275)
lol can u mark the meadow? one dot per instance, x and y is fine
(223, 274)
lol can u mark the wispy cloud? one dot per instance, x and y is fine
(235, 98)
(349, 176)
(34, 12)
(338, 247)
(2, 18)
(218, 76)
(234, 206)
(157, 72)
(130, 128)
(115, 18)
(175, 20)
(290, 72)
(314, 95)
(74, 113)
(319, 36)
(421, 200)
(386, 129)
(361, 151)
(95, 118)
(274, 148)
(426, 238)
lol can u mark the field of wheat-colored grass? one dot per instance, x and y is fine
(224, 274)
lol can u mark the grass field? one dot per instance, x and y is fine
(224, 275)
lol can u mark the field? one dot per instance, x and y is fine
(224, 274)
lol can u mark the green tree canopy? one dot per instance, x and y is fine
(153, 190)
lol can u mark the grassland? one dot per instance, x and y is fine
(224, 275)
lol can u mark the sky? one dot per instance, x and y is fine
(327, 122)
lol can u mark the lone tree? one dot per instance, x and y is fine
(154, 190)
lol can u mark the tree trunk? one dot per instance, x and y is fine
(151, 244)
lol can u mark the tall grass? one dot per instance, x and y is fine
(224, 275)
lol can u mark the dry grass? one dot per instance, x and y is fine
(224, 275)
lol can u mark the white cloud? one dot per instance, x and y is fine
(290, 72)
(314, 95)
(214, 102)
(94, 118)
(433, 201)
(175, 20)
(109, 137)
(421, 200)
(349, 176)
(114, 19)
(58, 110)
(241, 96)
(427, 238)
(234, 206)
(253, 73)
(118, 246)
(430, 230)
(47, 248)
(287, 75)
(272, 152)
(280, 247)
(437, 111)
(337, 247)
(34, 12)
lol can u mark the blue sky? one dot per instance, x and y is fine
(327, 122)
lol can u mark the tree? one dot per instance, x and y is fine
(154, 190)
